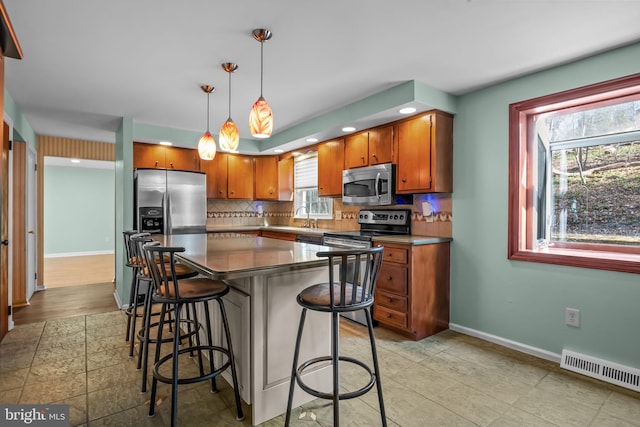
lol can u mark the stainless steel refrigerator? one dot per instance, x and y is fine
(170, 201)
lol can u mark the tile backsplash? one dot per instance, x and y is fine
(432, 219)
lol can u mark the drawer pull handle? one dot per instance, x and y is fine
(389, 316)
(389, 278)
(389, 299)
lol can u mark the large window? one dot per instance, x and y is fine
(574, 177)
(306, 202)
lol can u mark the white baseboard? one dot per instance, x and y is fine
(117, 298)
(524, 348)
(67, 254)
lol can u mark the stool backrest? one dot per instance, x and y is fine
(161, 263)
(357, 276)
(127, 244)
(137, 242)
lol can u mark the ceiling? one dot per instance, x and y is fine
(86, 64)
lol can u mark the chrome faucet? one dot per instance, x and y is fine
(307, 222)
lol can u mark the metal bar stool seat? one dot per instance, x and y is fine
(172, 292)
(353, 290)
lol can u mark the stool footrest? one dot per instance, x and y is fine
(168, 357)
(341, 396)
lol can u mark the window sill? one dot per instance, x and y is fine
(600, 260)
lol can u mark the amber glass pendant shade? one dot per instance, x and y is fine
(261, 119)
(229, 136)
(207, 146)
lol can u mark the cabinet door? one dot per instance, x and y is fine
(381, 145)
(240, 177)
(356, 150)
(285, 180)
(184, 159)
(330, 166)
(266, 173)
(414, 155)
(148, 155)
(216, 171)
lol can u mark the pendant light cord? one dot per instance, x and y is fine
(229, 95)
(208, 93)
(261, 64)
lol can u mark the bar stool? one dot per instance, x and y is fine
(175, 293)
(354, 290)
(133, 263)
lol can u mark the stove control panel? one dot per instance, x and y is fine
(385, 216)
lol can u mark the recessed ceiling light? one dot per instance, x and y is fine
(407, 110)
(312, 139)
(75, 161)
(278, 150)
(165, 143)
(348, 129)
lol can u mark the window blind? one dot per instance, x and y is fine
(306, 173)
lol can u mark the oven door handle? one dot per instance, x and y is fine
(377, 184)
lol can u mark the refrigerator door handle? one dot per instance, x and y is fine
(166, 201)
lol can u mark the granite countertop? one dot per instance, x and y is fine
(231, 256)
(403, 240)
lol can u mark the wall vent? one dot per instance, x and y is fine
(601, 369)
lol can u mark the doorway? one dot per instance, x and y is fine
(79, 218)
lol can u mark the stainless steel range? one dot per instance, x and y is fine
(373, 222)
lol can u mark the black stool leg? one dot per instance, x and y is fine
(335, 358)
(374, 354)
(134, 316)
(294, 369)
(131, 291)
(174, 383)
(234, 376)
(154, 381)
(207, 315)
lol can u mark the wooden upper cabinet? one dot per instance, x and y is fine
(381, 145)
(330, 166)
(372, 147)
(161, 157)
(148, 156)
(266, 173)
(216, 171)
(285, 180)
(185, 159)
(425, 154)
(240, 177)
(356, 150)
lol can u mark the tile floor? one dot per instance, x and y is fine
(446, 380)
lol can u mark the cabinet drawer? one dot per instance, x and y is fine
(391, 301)
(393, 278)
(398, 255)
(390, 317)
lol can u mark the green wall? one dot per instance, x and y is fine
(78, 210)
(519, 301)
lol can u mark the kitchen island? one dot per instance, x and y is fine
(265, 275)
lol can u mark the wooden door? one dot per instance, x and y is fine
(148, 156)
(330, 166)
(414, 155)
(356, 150)
(266, 173)
(381, 145)
(216, 171)
(285, 180)
(184, 159)
(240, 177)
(4, 226)
(19, 297)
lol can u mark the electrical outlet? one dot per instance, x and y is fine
(338, 215)
(572, 317)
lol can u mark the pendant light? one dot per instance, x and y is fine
(229, 135)
(261, 117)
(207, 145)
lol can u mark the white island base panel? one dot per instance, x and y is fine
(264, 317)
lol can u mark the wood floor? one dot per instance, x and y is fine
(59, 303)
(78, 270)
(74, 286)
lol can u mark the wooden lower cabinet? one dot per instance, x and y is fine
(279, 235)
(412, 292)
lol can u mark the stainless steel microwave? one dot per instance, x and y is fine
(369, 186)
